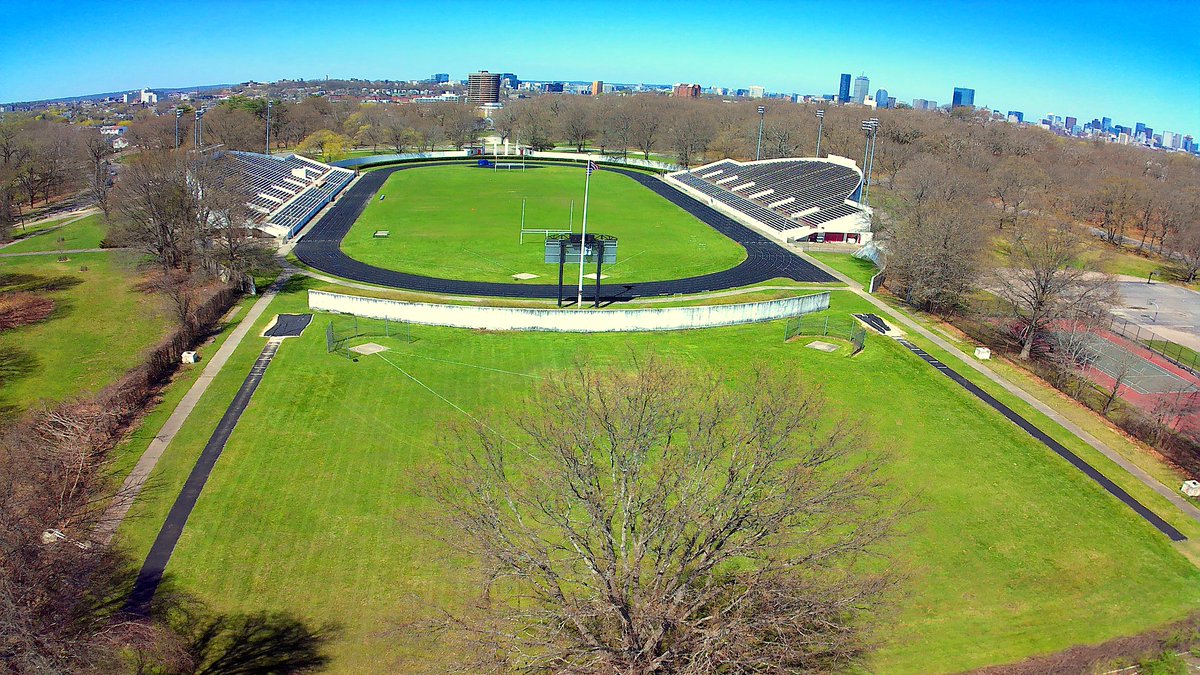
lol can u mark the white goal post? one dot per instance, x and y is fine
(544, 232)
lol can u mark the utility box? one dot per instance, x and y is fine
(1191, 488)
(983, 353)
(190, 357)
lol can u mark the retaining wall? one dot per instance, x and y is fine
(571, 321)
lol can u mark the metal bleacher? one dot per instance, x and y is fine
(286, 191)
(781, 194)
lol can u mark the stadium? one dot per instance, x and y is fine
(420, 297)
(757, 205)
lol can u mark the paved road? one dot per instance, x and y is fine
(151, 574)
(1171, 311)
(765, 260)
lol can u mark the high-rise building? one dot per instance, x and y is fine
(861, 85)
(844, 89)
(924, 104)
(483, 87)
(891, 102)
(597, 87)
(881, 98)
(440, 78)
(963, 97)
(1017, 114)
(553, 87)
(1170, 139)
(757, 91)
(1070, 123)
(509, 80)
(1106, 123)
(686, 90)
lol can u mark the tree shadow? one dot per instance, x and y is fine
(205, 642)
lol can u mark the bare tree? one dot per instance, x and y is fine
(658, 520)
(1013, 184)
(99, 181)
(1045, 281)
(576, 122)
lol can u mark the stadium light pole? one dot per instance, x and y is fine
(868, 127)
(762, 115)
(820, 128)
(199, 128)
(268, 126)
(178, 114)
(871, 162)
(587, 181)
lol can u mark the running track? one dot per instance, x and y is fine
(320, 248)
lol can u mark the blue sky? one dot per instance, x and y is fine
(1132, 61)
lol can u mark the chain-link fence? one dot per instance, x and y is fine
(844, 327)
(341, 330)
(1175, 353)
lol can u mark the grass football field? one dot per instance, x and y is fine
(464, 222)
(315, 506)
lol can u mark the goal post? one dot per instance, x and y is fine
(545, 232)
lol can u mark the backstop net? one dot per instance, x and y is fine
(844, 327)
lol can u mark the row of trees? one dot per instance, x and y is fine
(42, 159)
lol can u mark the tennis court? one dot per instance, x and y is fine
(1135, 371)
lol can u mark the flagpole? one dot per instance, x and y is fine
(583, 232)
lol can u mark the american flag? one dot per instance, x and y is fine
(591, 167)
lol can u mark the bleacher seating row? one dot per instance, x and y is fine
(783, 194)
(286, 191)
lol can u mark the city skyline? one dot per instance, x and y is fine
(1040, 61)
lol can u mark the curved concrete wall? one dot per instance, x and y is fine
(587, 321)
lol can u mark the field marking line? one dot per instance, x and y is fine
(471, 365)
(132, 486)
(1189, 509)
(452, 404)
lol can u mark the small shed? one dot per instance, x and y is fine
(1191, 488)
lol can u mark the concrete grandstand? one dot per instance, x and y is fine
(285, 192)
(795, 199)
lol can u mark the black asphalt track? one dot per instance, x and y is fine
(150, 576)
(320, 249)
(289, 325)
(1087, 469)
(874, 321)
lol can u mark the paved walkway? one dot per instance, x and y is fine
(63, 252)
(1187, 507)
(77, 215)
(155, 565)
(137, 478)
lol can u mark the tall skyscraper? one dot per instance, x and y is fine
(483, 87)
(1070, 123)
(597, 87)
(861, 86)
(757, 91)
(844, 89)
(881, 98)
(1020, 116)
(963, 97)
(1106, 123)
(440, 78)
(509, 80)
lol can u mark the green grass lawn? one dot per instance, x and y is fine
(463, 222)
(857, 269)
(98, 331)
(314, 509)
(84, 233)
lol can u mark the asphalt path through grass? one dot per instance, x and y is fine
(151, 574)
(321, 249)
(1058, 448)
